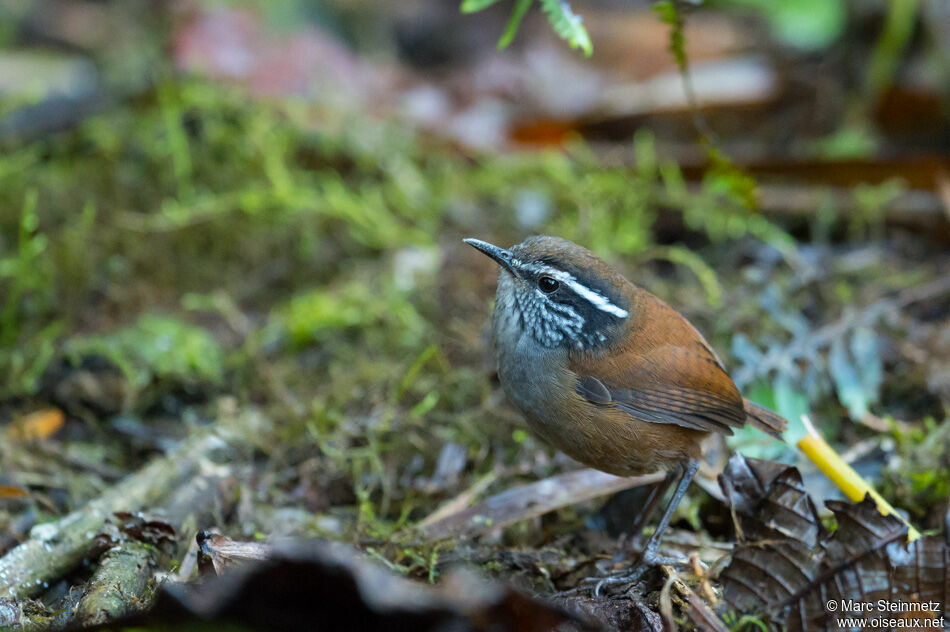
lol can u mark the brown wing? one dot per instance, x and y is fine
(666, 374)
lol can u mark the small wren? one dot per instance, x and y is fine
(607, 372)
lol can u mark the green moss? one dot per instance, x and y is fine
(282, 229)
(314, 315)
(917, 479)
(157, 347)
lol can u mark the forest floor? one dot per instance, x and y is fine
(251, 318)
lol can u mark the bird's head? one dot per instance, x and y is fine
(560, 293)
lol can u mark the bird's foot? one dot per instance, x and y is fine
(649, 559)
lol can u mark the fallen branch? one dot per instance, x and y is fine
(123, 574)
(198, 502)
(529, 501)
(55, 548)
(460, 502)
(120, 585)
(25, 616)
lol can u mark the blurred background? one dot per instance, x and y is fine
(219, 206)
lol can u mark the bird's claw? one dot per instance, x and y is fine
(648, 560)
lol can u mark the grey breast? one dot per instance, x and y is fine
(532, 376)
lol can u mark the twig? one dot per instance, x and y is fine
(102, 470)
(55, 548)
(25, 616)
(943, 189)
(188, 562)
(460, 502)
(666, 600)
(915, 208)
(698, 612)
(529, 501)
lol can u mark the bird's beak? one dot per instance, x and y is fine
(501, 256)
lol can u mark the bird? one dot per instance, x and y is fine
(609, 373)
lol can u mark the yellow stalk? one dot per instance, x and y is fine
(843, 475)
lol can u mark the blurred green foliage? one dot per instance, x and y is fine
(669, 14)
(310, 317)
(872, 201)
(918, 474)
(857, 370)
(297, 237)
(156, 348)
(852, 140)
(26, 279)
(805, 24)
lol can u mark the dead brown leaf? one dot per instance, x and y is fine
(788, 567)
(217, 552)
(7, 491)
(39, 425)
(329, 586)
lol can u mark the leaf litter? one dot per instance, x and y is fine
(788, 566)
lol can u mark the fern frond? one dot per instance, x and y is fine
(568, 25)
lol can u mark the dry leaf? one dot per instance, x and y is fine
(140, 527)
(329, 586)
(216, 552)
(7, 491)
(788, 567)
(39, 425)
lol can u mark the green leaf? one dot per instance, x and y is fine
(867, 358)
(804, 24)
(851, 141)
(425, 405)
(857, 376)
(568, 25)
(514, 22)
(790, 401)
(808, 24)
(473, 6)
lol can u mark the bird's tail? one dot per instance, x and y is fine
(764, 419)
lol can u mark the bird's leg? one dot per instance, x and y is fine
(657, 493)
(650, 556)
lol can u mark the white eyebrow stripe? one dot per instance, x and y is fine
(594, 298)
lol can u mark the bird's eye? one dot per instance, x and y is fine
(547, 284)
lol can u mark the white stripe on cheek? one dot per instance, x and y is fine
(594, 298)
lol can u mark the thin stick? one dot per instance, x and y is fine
(56, 547)
(530, 501)
(460, 502)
